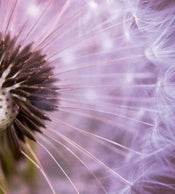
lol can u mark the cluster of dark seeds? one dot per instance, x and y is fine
(27, 92)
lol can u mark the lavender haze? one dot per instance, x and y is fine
(99, 86)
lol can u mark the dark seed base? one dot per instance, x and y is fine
(30, 83)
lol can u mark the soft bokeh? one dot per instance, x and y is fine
(114, 63)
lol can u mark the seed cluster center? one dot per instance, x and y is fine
(8, 110)
(27, 90)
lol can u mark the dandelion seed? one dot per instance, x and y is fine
(86, 96)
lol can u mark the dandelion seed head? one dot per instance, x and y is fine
(91, 83)
(25, 75)
(8, 110)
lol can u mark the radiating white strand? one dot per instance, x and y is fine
(59, 166)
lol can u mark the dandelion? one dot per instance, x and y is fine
(86, 96)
